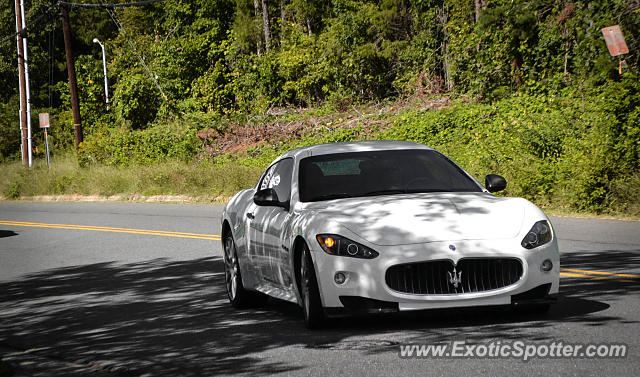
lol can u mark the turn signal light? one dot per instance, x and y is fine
(329, 242)
(337, 245)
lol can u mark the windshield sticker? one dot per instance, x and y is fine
(267, 180)
(275, 181)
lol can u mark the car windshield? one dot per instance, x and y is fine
(371, 173)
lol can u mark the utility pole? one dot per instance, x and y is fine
(26, 79)
(22, 86)
(73, 87)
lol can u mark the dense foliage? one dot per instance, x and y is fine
(535, 91)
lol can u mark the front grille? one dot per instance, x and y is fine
(437, 277)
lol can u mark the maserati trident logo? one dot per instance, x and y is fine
(455, 278)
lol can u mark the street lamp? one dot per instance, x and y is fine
(104, 66)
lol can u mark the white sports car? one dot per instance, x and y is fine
(383, 226)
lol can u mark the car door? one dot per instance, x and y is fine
(267, 224)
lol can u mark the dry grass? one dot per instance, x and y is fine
(175, 181)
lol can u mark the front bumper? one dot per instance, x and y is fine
(365, 278)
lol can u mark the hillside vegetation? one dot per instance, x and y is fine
(526, 89)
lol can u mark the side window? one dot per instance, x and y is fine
(278, 177)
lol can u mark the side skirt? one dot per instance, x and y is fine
(276, 292)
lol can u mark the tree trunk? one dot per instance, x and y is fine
(517, 74)
(256, 9)
(567, 49)
(309, 25)
(265, 24)
(283, 28)
(444, 48)
(480, 5)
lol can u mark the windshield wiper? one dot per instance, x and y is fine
(384, 192)
(339, 195)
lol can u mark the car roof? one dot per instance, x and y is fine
(353, 146)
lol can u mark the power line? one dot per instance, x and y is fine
(77, 5)
(109, 6)
(23, 31)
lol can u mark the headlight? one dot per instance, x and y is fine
(338, 245)
(539, 234)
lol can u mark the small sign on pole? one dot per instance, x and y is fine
(615, 40)
(44, 120)
(44, 123)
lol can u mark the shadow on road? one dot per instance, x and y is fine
(7, 233)
(172, 318)
(602, 287)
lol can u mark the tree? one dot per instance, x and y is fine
(479, 5)
(265, 25)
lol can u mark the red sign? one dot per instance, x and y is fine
(44, 120)
(615, 40)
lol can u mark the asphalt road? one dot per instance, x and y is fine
(137, 289)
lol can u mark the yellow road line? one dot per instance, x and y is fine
(163, 233)
(632, 276)
(572, 275)
(102, 227)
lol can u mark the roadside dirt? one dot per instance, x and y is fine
(238, 138)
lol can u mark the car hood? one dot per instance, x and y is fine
(426, 217)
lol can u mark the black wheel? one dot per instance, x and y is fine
(238, 295)
(311, 303)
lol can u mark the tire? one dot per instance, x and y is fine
(309, 292)
(239, 297)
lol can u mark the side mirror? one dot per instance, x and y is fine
(269, 197)
(495, 183)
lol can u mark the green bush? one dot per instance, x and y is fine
(136, 101)
(9, 130)
(122, 146)
(13, 190)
